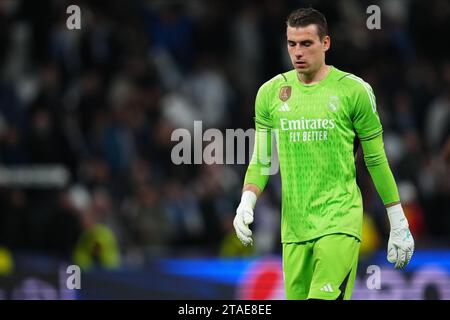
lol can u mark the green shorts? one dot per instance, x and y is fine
(323, 268)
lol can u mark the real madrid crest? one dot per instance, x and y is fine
(333, 103)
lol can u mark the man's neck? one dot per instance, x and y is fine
(313, 78)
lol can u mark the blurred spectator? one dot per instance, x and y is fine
(6, 262)
(170, 28)
(413, 209)
(438, 121)
(371, 239)
(211, 184)
(148, 221)
(184, 214)
(209, 92)
(247, 46)
(97, 245)
(65, 223)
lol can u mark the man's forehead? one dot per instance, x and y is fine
(300, 33)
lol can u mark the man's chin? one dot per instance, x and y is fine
(303, 70)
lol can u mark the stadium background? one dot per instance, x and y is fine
(86, 118)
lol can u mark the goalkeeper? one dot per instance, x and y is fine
(320, 114)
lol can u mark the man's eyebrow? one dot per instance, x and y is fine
(302, 41)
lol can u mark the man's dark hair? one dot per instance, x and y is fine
(305, 16)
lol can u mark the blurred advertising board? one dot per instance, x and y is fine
(427, 277)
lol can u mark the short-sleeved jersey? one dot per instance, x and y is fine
(316, 127)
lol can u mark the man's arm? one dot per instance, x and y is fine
(258, 170)
(378, 166)
(252, 188)
(255, 181)
(401, 243)
(367, 125)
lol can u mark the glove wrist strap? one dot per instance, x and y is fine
(249, 199)
(397, 217)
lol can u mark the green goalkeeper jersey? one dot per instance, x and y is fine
(315, 128)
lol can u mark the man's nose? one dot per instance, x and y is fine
(298, 52)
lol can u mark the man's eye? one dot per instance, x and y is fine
(292, 44)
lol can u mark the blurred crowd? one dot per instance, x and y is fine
(103, 102)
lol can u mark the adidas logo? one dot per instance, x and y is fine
(327, 288)
(284, 107)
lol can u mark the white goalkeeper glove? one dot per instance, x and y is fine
(244, 217)
(401, 242)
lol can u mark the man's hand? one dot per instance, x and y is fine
(244, 217)
(401, 242)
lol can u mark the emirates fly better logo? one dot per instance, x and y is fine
(304, 130)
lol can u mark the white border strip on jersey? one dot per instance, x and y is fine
(368, 90)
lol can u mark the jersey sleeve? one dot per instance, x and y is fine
(258, 170)
(262, 115)
(378, 167)
(365, 116)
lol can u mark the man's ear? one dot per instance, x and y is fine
(326, 43)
